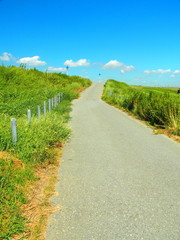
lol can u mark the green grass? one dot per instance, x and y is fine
(12, 182)
(169, 90)
(158, 106)
(22, 89)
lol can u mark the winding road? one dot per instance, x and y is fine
(117, 179)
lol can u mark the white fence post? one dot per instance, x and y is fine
(55, 101)
(14, 130)
(44, 108)
(49, 105)
(29, 115)
(52, 102)
(39, 111)
(59, 97)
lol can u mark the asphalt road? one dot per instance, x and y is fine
(117, 179)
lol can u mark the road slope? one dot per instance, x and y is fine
(117, 180)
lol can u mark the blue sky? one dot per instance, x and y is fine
(137, 42)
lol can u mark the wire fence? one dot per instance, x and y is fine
(46, 107)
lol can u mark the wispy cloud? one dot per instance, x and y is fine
(114, 64)
(60, 69)
(176, 72)
(31, 61)
(6, 56)
(79, 63)
(161, 71)
(172, 76)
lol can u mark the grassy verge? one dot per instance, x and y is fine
(12, 179)
(23, 89)
(37, 208)
(160, 107)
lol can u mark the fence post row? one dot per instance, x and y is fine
(53, 102)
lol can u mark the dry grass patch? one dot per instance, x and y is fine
(9, 157)
(167, 132)
(38, 208)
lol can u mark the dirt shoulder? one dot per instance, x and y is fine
(38, 207)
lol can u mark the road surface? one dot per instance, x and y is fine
(117, 179)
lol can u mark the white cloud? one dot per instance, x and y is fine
(31, 61)
(127, 69)
(79, 63)
(114, 64)
(147, 71)
(172, 76)
(60, 69)
(161, 71)
(6, 56)
(176, 72)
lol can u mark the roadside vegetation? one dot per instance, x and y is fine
(160, 107)
(22, 89)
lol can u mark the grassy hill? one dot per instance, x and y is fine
(158, 106)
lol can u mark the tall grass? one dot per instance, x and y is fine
(12, 184)
(159, 106)
(22, 89)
